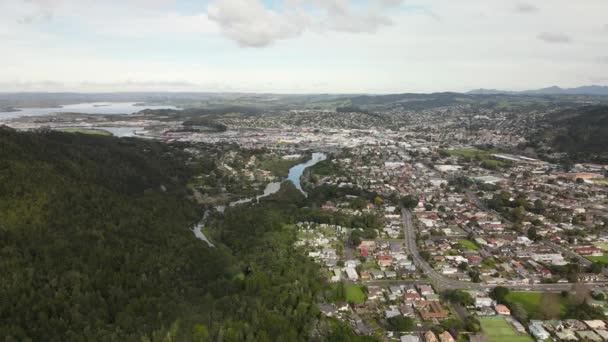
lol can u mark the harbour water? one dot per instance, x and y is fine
(85, 108)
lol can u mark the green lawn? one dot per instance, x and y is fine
(468, 244)
(279, 166)
(531, 301)
(86, 131)
(497, 329)
(355, 294)
(466, 152)
(602, 245)
(603, 259)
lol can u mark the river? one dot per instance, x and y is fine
(295, 175)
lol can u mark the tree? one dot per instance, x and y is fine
(596, 268)
(549, 307)
(532, 234)
(579, 293)
(200, 333)
(499, 294)
(409, 202)
(519, 312)
(401, 323)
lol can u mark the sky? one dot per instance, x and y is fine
(301, 46)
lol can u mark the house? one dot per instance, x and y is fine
(502, 310)
(566, 335)
(391, 312)
(407, 310)
(374, 292)
(446, 337)
(483, 301)
(328, 309)
(537, 330)
(603, 334)
(429, 336)
(384, 260)
(595, 324)
(411, 294)
(588, 335)
(409, 338)
(425, 289)
(396, 290)
(431, 309)
(351, 272)
(376, 274)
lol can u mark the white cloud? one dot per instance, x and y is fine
(554, 38)
(249, 23)
(526, 8)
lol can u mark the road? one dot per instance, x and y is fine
(445, 283)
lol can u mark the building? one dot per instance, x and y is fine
(410, 338)
(537, 330)
(429, 336)
(431, 309)
(352, 273)
(446, 337)
(502, 310)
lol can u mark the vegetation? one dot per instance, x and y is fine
(279, 166)
(602, 259)
(86, 131)
(97, 246)
(401, 323)
(581, 132)
(468, 244)
(497, 329)
(355, 294)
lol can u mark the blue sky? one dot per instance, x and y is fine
(301, 46)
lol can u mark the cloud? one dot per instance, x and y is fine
(526, 8)
(554, 38)
(249, 23)
(252, 24)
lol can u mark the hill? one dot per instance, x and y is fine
(96, 245)
(592, 90)
(580, 132)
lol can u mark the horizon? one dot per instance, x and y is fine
(300, 46)
(466, 92)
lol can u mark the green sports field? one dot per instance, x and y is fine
(531, 301)
(603, 259)
(498, 330)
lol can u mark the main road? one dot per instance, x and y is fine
(445, 283)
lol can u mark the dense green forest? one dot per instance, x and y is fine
(95, 245)
(581, 132)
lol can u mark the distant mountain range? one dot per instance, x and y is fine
(555, 90)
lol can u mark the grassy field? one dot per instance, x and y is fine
(355, 294)
(603, 259)
(499, 330)
(86, 131)
(531, 301)
(602, 245)
(468, 244)
(279, 166)
(467, 152)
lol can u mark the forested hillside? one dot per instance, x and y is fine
(581, 132)
(95, 245)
